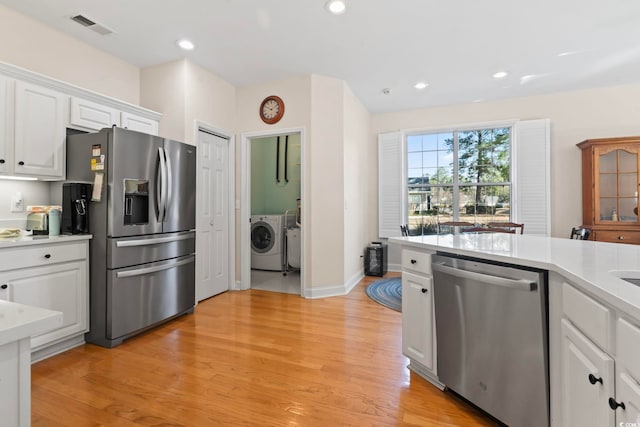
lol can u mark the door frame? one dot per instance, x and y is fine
(245, 203)
(231, 202)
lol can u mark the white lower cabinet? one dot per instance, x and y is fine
(417, 313)
(628, 371)
(54, 282)
(587, 381)
(599, 383)
(418, 323)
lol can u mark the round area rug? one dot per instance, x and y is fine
(387, 292)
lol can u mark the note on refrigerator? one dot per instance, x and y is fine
(98, 179)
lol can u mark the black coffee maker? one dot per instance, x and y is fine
(75, 207)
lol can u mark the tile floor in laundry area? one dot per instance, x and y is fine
(276, 281)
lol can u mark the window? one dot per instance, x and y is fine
(458, 176)
(495, 171)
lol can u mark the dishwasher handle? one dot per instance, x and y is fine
(516, 284)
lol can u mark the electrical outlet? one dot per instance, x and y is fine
(17, 203)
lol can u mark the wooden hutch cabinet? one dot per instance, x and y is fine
(610, 185)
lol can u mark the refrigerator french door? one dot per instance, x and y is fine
(143, 226)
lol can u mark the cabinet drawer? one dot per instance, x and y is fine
(618, 236)
(40, 255)
(419, 262)
(588, 315)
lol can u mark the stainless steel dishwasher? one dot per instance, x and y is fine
(491, 329)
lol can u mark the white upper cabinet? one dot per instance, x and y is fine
(92, 115)
(139, 123)
(35, 112)
(39, 131)
(6, 125)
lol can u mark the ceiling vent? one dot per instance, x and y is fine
(91, 24)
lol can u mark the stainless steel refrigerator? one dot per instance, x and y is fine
(143, 225)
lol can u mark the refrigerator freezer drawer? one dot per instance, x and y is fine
(142, 296)
(128, 251)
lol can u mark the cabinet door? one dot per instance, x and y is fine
(628, 393)
(61, 287)
(40, 131)
(616, 184)
(6, 125)
(138, 123)
(628, 371)
(417, 318)
(91, 115)
(587, 381)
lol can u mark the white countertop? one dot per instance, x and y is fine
(18, 321)
(41, 240)
(586, 263)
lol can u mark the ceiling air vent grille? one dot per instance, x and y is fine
(91, 24)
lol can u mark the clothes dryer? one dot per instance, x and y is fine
(267, 235)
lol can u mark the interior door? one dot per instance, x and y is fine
(212, 230)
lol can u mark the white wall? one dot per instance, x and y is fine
(32, 45)
(162, 89)
(327, 196)
(357, 125)
(209, 99)
(575, 116)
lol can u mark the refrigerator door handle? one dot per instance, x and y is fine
(161, 185)
(148, 270)
(169, 180)
(147, 242)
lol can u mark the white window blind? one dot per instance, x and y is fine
(532, 176)
(391, 185)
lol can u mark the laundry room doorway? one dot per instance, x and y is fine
(272, 241)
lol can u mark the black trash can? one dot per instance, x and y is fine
(375, 259)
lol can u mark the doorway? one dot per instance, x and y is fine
(272, 206)
(215, 218)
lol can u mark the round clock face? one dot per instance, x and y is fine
(271, 109)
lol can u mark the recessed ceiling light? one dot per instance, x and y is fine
(421, 85)
(500, 75)
(186, 44)
(337, 7)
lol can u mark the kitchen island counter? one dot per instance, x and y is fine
(593, 317)
(595, 266)
(18, 323)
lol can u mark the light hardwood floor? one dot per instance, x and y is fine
(250, 358)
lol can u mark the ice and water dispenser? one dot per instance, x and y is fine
(136, 201)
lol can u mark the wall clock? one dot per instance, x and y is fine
(271, 109)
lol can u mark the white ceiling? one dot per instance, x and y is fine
(454, 45)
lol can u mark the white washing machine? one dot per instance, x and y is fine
(267, 235)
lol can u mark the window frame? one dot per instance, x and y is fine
(456, 184)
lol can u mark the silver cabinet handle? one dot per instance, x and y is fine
(522, 284)
(148, 270)
(147, 242)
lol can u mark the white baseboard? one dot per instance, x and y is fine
(334, 291)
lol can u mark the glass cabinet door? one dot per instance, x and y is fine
(616, 185)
